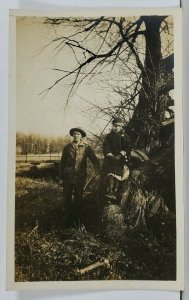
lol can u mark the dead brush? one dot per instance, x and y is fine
(81, 235)
(142, 207)
(118, 223)
(113, 222)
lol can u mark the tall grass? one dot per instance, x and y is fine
(49, 248)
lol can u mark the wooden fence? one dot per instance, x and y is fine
(38, 157)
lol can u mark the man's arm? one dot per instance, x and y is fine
(93, 158)
(62, 162)
(126, 148)
(107, 147)
(129, 146)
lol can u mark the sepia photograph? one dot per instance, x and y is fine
(96, 135)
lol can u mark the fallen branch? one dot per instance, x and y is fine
(104, 263)
(33, 230)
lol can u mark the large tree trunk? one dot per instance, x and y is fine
(146, 118)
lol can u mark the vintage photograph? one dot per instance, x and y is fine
(95, 181)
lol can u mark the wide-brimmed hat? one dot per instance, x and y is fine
(83, 133)
(117, 120)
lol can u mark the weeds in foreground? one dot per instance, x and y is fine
(60, 253)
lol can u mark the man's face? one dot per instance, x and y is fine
(117, 127)
(77, 136)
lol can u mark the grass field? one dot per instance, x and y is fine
(51, 247)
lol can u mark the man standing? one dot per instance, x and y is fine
(73, 170)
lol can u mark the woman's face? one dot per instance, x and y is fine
(116, 127)
(76, 136)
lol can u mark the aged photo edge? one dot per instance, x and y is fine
(10, 230)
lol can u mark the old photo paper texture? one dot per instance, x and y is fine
(95, 154)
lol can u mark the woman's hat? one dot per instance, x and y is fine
(83, 133)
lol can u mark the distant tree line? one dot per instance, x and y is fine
(39, 144)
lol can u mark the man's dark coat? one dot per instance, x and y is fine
(115, 143)
(73, 171)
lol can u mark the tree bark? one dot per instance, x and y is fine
(146, 118)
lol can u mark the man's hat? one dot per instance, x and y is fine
(83, 133)
(117, 120)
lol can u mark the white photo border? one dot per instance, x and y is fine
(178, 284)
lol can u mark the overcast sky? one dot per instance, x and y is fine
(48, 115)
